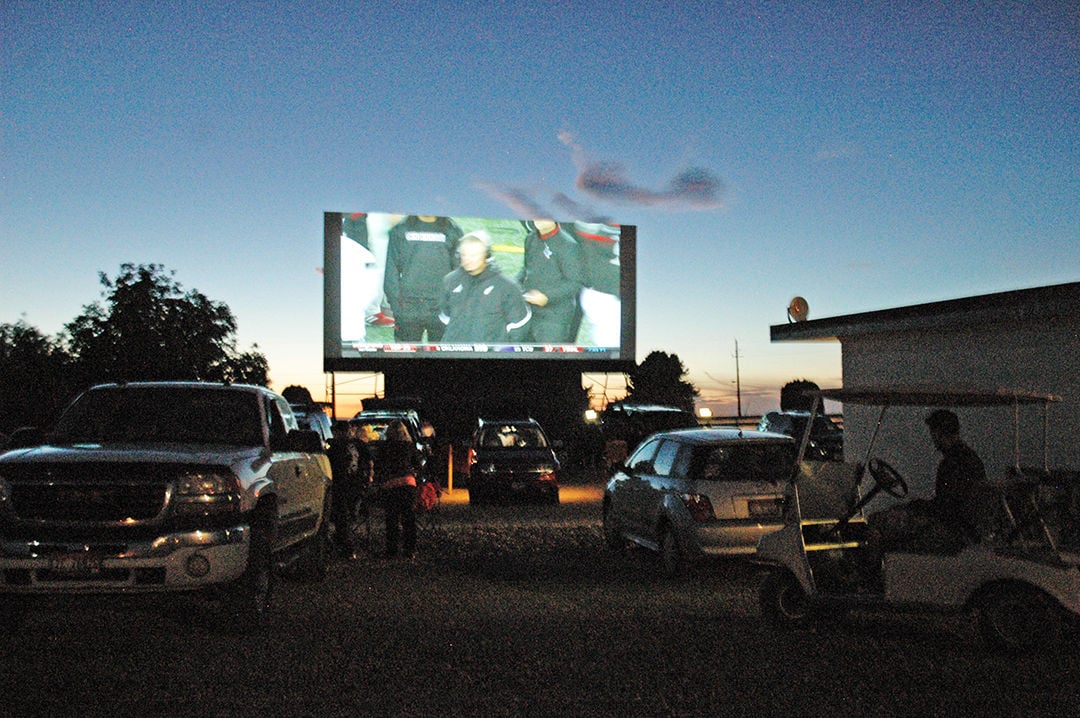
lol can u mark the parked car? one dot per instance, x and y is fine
(511, 458)
(826, 440)
(164, 487)
(311, 417)
(310, 414)
(624, 426)
(377, 420)
(691, 493)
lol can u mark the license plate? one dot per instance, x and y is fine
(765, 508)
(75, 564)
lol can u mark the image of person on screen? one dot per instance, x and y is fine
(420, 252)
(601, 306)
(551, 279)
(361, 277)
(369, 231)
(480, 304)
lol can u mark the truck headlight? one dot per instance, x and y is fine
(202, 493)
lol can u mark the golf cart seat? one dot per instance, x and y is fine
(990, 519)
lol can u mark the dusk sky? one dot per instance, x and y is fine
(861, 155)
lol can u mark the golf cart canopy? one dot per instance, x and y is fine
(933, 396)
(938, 396)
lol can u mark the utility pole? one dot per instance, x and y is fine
(738, 388)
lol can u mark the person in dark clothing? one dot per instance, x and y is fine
(395, 475)
(958, 474)
(945, 522)
(480, 303)
(350, 465)
(551, 278)
(420, 252)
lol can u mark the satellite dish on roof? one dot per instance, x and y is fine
(798, 310)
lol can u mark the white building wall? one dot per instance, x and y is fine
(1043, 359)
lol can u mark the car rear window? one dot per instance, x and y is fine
(512, 436)
(744, 462)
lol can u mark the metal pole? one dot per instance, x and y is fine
(738, 388)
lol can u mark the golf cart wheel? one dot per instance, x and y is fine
(784, 603)
(1018, 619)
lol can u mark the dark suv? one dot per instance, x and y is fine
(511, 458)
(826, 438)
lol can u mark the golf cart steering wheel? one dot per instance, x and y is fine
(887, 478)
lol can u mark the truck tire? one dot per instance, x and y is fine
(246, 602)
(313, 563)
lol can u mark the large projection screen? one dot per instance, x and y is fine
(422, 288)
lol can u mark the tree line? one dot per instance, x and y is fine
(144, 327)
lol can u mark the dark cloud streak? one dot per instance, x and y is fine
(695, 188)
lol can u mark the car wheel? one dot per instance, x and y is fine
(613, 537)
(553, 498)
(246, 603)
(475, 497)
(672, 559)
(1018, 619)
(313, 563)
(783, 601)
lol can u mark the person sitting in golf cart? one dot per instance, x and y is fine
(942, 524)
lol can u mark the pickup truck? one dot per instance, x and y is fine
(163, 487)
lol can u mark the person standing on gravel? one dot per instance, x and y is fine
(350, 465)
(395, 474)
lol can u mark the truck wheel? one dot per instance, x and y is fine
(313, 563)
(1018, 619)
(783, 602)
(246, 603)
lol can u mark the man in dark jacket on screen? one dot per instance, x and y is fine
(551, 279)
(479, 303)
(421, 250)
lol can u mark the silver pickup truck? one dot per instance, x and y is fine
(165, 487)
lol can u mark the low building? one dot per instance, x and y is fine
(1027, 339)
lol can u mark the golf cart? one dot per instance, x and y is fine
(1023, 589)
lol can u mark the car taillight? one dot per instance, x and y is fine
(699, 506)
(471, 458)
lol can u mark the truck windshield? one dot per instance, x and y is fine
(162, 414)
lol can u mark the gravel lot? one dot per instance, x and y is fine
(516, 611)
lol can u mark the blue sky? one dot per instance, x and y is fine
(862, 155)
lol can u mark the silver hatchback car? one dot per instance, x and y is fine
(692, 493)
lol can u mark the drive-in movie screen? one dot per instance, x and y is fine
(419, 287)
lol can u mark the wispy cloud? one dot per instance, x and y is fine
(695, 189)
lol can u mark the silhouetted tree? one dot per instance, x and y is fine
(793, 398)
(34, 379)
(660, 379)
(148, 328)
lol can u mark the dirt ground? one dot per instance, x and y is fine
(516, 610)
